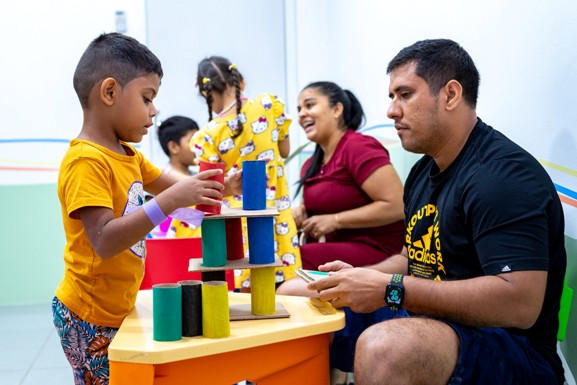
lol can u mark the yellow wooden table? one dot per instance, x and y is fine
(280, 351)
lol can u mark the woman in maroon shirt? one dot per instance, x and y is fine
(352, 203)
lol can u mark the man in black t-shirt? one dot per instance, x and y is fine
(481, 273)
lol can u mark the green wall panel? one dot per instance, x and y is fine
(569, 346)
(32, 240)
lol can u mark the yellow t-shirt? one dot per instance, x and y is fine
(264, 125)
(101, 291)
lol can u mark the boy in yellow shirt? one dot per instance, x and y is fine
(101, 190)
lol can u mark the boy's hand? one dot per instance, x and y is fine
(192, 191)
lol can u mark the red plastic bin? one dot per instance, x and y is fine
(167, 261)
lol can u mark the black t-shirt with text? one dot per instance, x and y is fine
(492, 211)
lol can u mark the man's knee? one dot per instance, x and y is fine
(380, 342)
(396, 347)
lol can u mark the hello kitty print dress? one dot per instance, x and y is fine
(264, 125)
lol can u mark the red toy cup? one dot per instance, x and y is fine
(208, 209)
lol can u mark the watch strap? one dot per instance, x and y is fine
(397, 278)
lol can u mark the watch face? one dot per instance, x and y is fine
(394, 296)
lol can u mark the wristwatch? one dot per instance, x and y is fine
(395, 293)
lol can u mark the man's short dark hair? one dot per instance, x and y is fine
(438, 61)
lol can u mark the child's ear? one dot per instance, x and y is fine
(173, 147)
(108, 90)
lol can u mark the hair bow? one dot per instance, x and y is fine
(205, 80)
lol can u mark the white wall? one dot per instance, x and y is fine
(41, 43)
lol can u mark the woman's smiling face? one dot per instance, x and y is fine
(317, 117)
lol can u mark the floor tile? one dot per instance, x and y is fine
(51, 355)
(24, 347)
(55, 376)
(12, 377)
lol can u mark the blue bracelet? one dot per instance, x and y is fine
(154, 212)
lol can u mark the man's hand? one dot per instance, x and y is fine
(361, 289)
(334, 266)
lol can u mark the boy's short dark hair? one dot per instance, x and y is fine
(113, 55)
(173, 129)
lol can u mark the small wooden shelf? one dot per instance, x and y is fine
(227, 213)
(195, 264)
(243, 312)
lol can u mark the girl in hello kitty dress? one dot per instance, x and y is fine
(240, 129)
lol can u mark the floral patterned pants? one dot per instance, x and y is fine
(85, 345)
